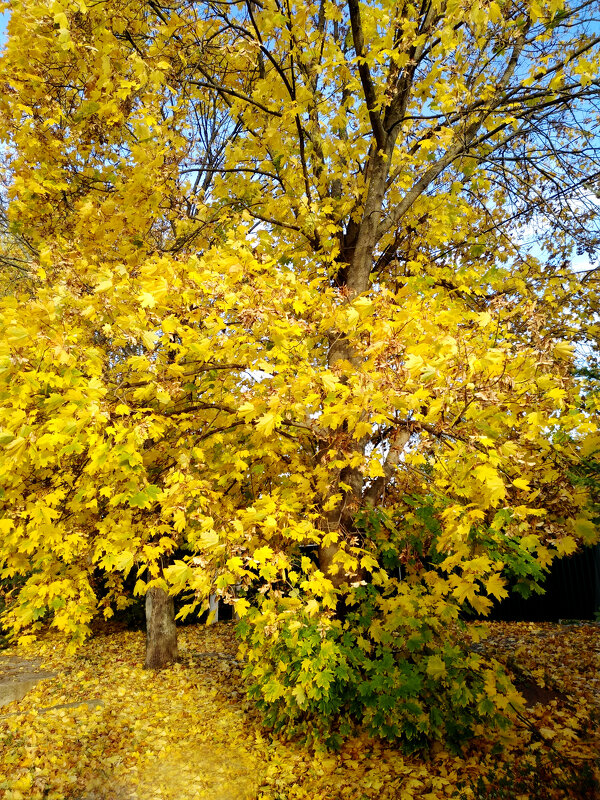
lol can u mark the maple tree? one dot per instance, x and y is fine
(276, 297)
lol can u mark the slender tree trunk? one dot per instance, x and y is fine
(357, 280)
(161, 633)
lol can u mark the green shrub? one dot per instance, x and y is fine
(401, 667)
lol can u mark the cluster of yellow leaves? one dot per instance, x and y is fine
(92, 159)
(166, 380)
(179, 405)
(188, 733)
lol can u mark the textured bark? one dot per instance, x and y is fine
(161, 633)
(356, 279)
(361, 263)
(359, 247)
(398, 442)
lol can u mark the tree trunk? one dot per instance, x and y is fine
(357, 280)
(161, 633)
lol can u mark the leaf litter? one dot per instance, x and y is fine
(106, 729)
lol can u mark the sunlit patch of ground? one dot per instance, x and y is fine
(188, 733)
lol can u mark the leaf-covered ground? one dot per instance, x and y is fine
(188, 733)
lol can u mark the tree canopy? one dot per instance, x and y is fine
(269, 286)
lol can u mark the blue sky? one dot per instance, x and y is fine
(3, 22)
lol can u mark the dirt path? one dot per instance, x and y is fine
(18, 676)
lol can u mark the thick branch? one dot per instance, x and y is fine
(365, 73)
(398, 442)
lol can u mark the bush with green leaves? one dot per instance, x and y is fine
(401, 665)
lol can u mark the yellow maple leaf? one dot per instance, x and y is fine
(495, 585)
